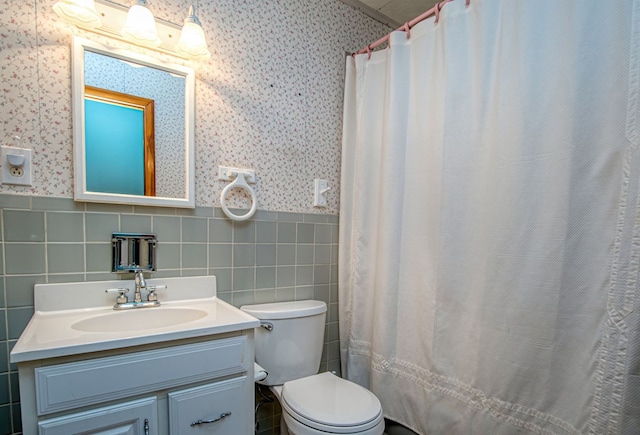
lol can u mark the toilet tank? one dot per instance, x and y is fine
(292, 349)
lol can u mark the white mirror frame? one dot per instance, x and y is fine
(80, 187)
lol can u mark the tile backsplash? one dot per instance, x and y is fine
(275, 256)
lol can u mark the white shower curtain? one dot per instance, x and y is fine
(490, 220)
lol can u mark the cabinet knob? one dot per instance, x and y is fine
(213, 420)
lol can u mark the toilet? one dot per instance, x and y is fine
(288, 347)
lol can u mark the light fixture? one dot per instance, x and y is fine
(140, 26)
(79, 12)
(192, 42)
(137, 25)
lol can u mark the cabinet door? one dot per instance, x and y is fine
(219, 408)
(138, 417)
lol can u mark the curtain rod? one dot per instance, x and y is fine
(435, 10)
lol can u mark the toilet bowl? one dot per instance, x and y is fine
(289, 347)
(325, 403)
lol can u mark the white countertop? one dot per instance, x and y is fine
(50, 334)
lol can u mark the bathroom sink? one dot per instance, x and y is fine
(78, 317)
(139, 319)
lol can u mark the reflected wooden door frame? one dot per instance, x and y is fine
(147, 107)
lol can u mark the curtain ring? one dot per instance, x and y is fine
(439, 7)
(407, 29)
(369, 52)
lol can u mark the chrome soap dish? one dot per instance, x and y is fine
(133, 252)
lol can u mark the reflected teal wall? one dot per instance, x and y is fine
(114, 148)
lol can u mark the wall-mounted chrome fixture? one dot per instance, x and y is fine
(133, 252)
(137, 25)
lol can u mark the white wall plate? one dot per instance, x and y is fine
(227, 173)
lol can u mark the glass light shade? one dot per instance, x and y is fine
(140, 26)
(79, 12)
(192, 43)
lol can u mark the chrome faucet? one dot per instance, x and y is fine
(122, 303)
(140, 283)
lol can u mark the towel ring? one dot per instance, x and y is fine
(239, 182)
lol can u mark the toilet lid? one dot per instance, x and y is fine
(331, 401)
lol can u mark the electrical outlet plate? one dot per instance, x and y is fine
(20, 175)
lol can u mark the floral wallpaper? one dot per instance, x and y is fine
(270, 97)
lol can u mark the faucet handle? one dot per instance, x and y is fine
(122, 294)
(152, 296)
(156, 287)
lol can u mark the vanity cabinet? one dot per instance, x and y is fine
(150, 389)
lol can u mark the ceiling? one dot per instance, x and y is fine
(392, 12)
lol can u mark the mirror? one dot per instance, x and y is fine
(132, 129)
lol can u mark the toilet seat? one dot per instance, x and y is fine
(331, 404)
